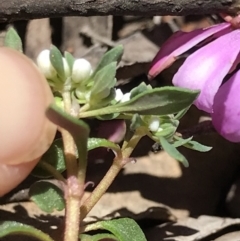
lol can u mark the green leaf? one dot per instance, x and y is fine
(181, 142)
(77, 128)
(168, 130)
(70, 60)
(172, 151)
(140, 89)
(12, 40)
(181, 113)
(56, 61)
(94, 143)
(15, 228)
(158, 101)
(97, 237)
(124, 229)
(47, 196)
(97, 101)
(104, 80)
(136, 122)
(194, 145)
(53, 156)
(114, 55)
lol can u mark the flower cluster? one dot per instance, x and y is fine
(94, 88)
(211, 67)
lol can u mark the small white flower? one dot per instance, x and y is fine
(126, 97)
(44, 64)
(154, 124)
(82, 70)
(119, 95)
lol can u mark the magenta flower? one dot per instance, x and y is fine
(216, 57)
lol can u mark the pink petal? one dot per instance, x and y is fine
(179, 43)
(206, 68)
(226, 109)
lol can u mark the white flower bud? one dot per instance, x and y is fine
(119, 95)
(154, 124)
(82, 70)
(44, 64)
(126, 97)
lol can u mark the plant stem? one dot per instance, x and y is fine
(84, 108)
(74, 189)
(109, 177)
(52, 171)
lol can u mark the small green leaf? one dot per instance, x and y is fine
(107, 117)
(158, 101)
(97, 102)
(70, 60)
(114, 55)
(15, 228)
(47, 196)
(124, 229)
(136, 122)
(194, 145)
(97, 237)
(104, 80)
(94, 143)
(172, 151)
(181, 142)
(12, 40)
(140, 89)
(53, 156)
(57, 61)
(181, 113)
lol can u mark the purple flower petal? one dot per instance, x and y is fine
(179, 43)
(113, 130)
(206, 68)
(226, 109)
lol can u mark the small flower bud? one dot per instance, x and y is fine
(119, 95)
(45, 66)
(154, 124)
(126, 97)
(82, 70)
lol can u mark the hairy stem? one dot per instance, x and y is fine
(108, 179)
(74, 189)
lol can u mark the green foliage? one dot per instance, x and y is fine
(12, 40)
(54, 156)
(97, 237)
(15, 228)
(114, 55)
(94, 143)
(124, 229)
(181, 142)
(104, 80)
(173, 152)
(57, 61)
(158, 101)
(140, 89)
(47, 196)
(70, 60)
(194, 145)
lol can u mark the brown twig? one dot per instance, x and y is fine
(32, 9)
